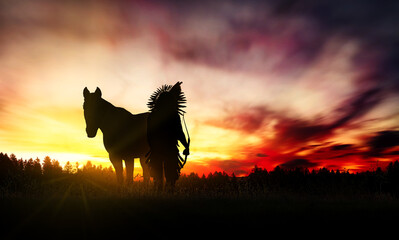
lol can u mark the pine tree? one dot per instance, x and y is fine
(68, 168)
(47, 166)
(37, 168)
(57, 169)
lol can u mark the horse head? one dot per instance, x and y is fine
(92, 111)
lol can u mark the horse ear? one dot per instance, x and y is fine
(86, 92)
(98, 93)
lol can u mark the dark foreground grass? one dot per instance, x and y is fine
(169, 216)
(52, 203)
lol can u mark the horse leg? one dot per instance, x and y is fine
(146, 171)
(129, 170)
(117, 163)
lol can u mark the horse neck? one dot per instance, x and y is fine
(107, 111)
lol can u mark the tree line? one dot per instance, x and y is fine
(34, 175)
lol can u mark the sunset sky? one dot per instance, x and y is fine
(291, 83)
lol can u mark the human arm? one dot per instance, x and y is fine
(182, 138)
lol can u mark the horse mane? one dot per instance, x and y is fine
(110, 107)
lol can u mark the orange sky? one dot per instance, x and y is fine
(262, 88)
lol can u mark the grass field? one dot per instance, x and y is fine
(53, 203)
(176, 215)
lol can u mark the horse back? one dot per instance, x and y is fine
(128, 137)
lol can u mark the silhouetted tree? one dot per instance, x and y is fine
(6, 168)
(37, 168)
(51, 168)
(393, 177)
(234, 183)
(88, 167)
(258, 178)
(77, 167)
(18, 175)
(47, 165)
(68, 168)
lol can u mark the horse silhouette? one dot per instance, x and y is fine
(124, 133)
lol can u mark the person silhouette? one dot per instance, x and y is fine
(164, 130)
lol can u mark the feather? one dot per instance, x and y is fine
(179, 98)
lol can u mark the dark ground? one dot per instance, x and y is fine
(48, 202)
(180, 217)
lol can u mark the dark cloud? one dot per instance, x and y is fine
(301, 131)
(357, 106)
(261, 155)
(393, 153)
(299, 163)
(294, 31)
(248, 120)
(338, 147)
(246, 38)
(371, 23)
(383, 141)
(343, 155)
(332, 166)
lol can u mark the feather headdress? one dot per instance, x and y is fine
(169, 95)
